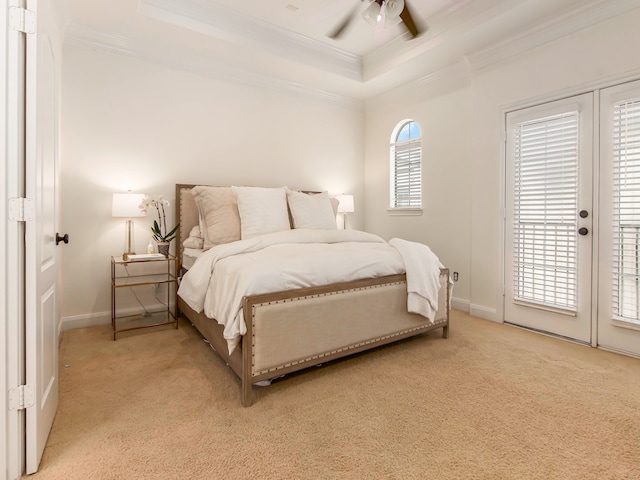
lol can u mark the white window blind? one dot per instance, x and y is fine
(406, 167)
(626, 210)
(545, 211)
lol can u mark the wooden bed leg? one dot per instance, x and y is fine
(445, 331)
(247, 393)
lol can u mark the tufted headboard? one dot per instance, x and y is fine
(187, 213)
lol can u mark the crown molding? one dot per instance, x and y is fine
(449, 66)
(227, 25)
(587, 14)
(86, 37)
(452, 77)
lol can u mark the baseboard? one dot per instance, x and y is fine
(485, 313)
(460, 304)
(84, 321)
(102, 318)
(475, 310)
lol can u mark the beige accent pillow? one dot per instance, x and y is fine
(262, 210)
(311, 210)
(219, 217)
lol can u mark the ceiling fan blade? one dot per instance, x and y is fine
(342, 26)
(408, 21)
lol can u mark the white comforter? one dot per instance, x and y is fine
(224, 274)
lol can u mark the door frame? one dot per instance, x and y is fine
(12, 256)
(590, 87)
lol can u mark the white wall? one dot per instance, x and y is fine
(444, 224)
(462, 123)
(131, 124)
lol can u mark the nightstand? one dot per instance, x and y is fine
(152, 284)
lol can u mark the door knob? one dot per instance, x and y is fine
(583, 231)
(64, 239)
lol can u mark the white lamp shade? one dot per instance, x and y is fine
(127, 205)
(346, 203)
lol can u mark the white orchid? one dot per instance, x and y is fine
(159, 228)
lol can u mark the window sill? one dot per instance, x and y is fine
(404, 211)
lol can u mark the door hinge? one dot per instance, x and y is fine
(21, 397)
(22, 20)
(21, 209)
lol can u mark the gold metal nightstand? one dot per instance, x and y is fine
(153, 274)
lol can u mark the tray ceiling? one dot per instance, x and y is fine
(284, 43)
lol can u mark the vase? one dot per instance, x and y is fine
(163, 248)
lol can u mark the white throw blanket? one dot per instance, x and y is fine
(423, 276)
(223, 275)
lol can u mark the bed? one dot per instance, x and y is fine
(287, 329)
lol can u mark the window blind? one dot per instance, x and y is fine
(407, 175)
(545, 211)
(626, 210)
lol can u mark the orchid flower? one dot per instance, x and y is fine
(159, 229)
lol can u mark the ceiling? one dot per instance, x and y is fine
(284, 43)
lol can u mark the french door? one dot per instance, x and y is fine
(619, 258)
(572, 246)
(549, 217)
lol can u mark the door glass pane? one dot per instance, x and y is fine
(626, 210)
(545, 211)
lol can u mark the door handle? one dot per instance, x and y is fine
(64, 239)
(583, 231)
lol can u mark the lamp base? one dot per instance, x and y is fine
(344, 222)
(128, 240)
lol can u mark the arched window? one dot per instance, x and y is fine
(406, 166)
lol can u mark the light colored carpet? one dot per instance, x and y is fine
(490, 402)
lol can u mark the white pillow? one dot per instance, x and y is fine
(194, 242)
(196, 232)
(218, 212)
(262, 210)
(311, 211)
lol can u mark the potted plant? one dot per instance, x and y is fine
(159, 229)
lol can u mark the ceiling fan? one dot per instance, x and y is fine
(388, 12)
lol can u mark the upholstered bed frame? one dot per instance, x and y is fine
(293, 330)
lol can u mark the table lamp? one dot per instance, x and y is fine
(345, 206)
(126, 205)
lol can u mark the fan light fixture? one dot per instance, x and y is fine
(392, 10)
(372, 14)
(388, 12)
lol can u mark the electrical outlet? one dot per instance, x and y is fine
(455, 276)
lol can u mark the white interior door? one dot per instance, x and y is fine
(41, 269)
(549, 163)
(619, 277)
